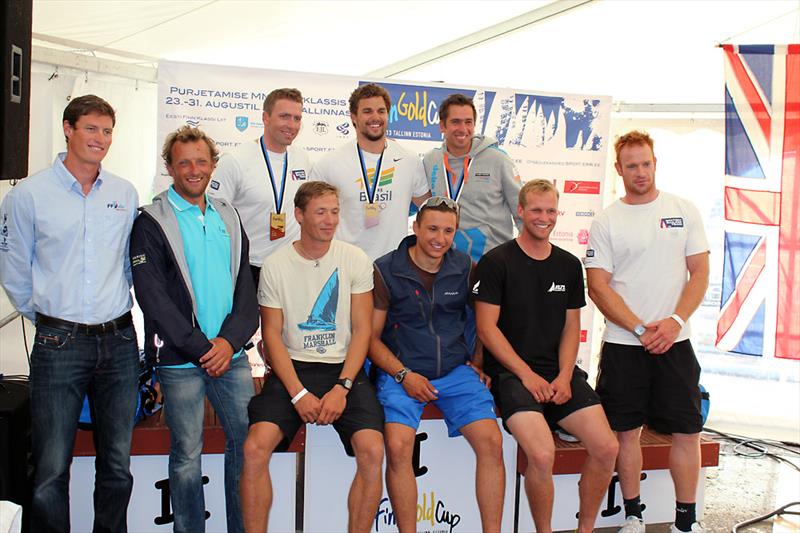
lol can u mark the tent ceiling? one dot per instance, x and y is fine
(656, 51)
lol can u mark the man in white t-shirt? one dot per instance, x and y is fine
(260, 177)
(316, 312)
(376, 177)
(647, 271)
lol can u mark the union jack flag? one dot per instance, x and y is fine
(760, 303)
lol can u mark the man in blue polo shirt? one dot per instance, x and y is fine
(189, 255)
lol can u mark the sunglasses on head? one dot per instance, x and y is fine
(434, 201)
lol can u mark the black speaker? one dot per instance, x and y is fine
(16, 475)
(15, 86)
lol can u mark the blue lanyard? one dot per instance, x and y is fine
(370, 192)
(278, 199)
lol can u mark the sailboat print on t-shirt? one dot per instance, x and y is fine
(323, 314)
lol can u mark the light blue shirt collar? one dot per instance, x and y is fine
(66, 178)
(179, 203)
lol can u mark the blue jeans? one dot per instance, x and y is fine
(184, 390)
(65, 365)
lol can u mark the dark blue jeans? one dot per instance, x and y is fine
(65, 365)
(184, 391)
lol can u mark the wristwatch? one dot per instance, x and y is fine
(347, 383)
(401, 374)
(639, 330)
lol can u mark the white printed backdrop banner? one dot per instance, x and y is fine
(561, 137)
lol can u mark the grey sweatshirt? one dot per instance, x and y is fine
(488, 200)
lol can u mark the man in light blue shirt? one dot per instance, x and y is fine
(190, 270)
(64, 236)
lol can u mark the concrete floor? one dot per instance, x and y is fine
(742, 488)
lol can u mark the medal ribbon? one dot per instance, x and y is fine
(370, 192)
(278, 199)
(461, 181)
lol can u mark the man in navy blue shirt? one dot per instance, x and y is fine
(64, 264)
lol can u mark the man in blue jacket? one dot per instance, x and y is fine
(421, 294)
(189, 255)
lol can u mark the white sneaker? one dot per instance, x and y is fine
(632, 524)
(697, 527)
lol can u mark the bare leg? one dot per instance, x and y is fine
(534, 437)
(629, 462)
(255, 485)
(400, 480)
(490, 474)
(367, 486)
(684, 465)
(591, 427)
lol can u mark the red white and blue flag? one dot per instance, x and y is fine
(760, 301)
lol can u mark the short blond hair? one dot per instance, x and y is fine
(537, 186)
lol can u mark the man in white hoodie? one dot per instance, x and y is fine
(472, 170)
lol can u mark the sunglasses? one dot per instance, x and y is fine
(434, 201)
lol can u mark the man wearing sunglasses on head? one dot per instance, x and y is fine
(421, 309)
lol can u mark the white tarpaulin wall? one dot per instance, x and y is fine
(560, 137)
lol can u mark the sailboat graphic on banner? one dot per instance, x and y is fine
(323, 315)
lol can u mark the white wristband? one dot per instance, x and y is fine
(677, 318)
(299, 395)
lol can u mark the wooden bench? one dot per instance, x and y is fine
(151, 435)
(570, 456)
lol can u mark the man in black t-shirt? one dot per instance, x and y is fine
(528, 294)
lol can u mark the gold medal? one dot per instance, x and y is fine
(371, 212)
(277, 226)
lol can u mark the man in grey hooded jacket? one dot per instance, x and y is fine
(472, 170)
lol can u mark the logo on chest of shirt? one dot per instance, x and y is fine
(214, 185)
(298, 175)
(385, 180)
(451, 293)
(476, 286)
(116, 206)
(557, 288)
(483, 177)
(672, 222)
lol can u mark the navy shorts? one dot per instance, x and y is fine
(512, 397)
(662, 391)
(273, 403)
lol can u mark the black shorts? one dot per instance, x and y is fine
(511, 397)
(273, 403)
(661, 391)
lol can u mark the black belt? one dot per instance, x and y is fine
(88, 329)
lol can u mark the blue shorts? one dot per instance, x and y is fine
(463, 399)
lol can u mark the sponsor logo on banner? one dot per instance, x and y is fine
(589, 213)
(192, 122)
(562, 236)
(320, 127)
(415, 109)
(583, 236)
(581, 187)
(242, 123)
(343, 129)
(433, 515)
(672, 222)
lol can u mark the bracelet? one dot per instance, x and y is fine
(299, 395)
(677, 318)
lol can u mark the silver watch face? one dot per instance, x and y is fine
(639, 330)
(401, 375)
